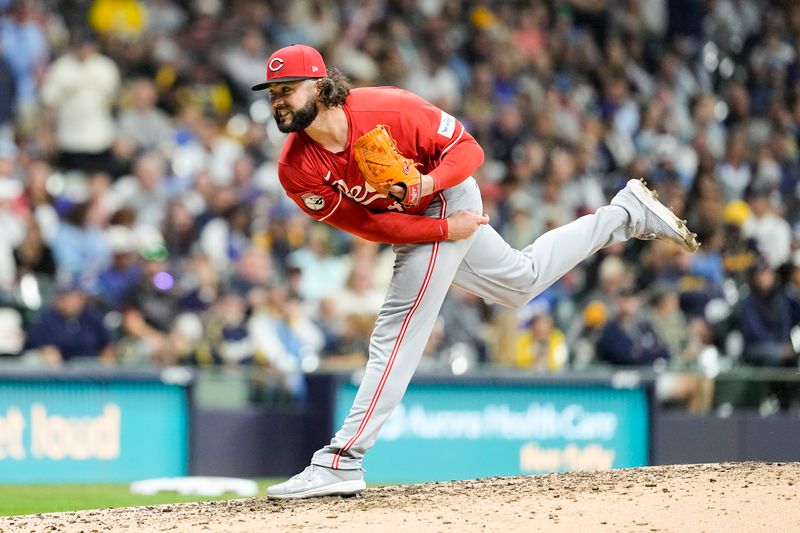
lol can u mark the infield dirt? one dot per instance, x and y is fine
(740, 497)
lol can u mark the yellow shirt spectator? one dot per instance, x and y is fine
(120, 17)
(542, 346)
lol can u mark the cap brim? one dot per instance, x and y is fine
(262, 86)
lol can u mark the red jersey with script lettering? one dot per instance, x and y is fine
(329, 186)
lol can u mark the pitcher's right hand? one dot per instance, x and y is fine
(463, 224)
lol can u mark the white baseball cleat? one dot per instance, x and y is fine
(318, 480)
(650, 218)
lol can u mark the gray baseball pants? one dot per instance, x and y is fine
(485, 265)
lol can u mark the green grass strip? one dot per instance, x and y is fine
(34, 499)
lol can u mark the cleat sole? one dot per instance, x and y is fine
(345, 488)
(649, 198)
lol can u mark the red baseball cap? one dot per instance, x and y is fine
(291, 63)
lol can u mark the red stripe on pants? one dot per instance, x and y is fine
(395, 348)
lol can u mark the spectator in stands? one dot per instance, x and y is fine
(12, 332)
(542, 346)
(793, 287)
(705, 203)
(226, 339)
(34, 257)
(253, 270)
(145, 191)
(71, 328)
(205, 89)
(769, 230)
(434, 81)
(12, 202)
(201, 284)
(617, 88)
(78, 245)
(612, 274)
(205, 148)
(141, 125)
(629, 338)
(179, 228)
(8, 102)
(521, 226)
(739, 254)
(283, 335)
(125, 20)
(7, 272)
(359, 295)
(692, 359)
(242, 60)
(695, 288)
(464, 318)
(706, 123)
(226, 236)
(24, 46)
(80, 89)
(708, 263)
(346, 340)
(668, 321)
(164, 17)
(734, 169)
(39, 200)
(149, 309)
(116, 280)
(323, 271)
(765, 319)
(584, 332)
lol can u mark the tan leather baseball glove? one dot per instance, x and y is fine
(382, 165)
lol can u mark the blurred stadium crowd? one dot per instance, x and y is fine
(143, 223)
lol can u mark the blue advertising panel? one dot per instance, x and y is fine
(92, 431)
(444, 431)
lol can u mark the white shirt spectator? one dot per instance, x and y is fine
(81, 92)
(773, 236)
(734, 180)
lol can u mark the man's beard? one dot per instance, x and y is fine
(301, 119)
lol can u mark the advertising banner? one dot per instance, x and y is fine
(444, 431)
(72, 431)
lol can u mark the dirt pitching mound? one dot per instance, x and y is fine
(712, 497)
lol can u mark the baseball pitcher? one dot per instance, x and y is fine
(386, 165)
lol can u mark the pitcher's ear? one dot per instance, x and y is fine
(324, 89)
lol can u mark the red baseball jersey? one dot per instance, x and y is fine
(330, 188)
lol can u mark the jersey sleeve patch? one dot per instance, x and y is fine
(312, 201)
(447, 125)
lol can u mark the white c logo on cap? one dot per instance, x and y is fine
(276, 64)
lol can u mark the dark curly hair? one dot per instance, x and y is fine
(333, 88)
